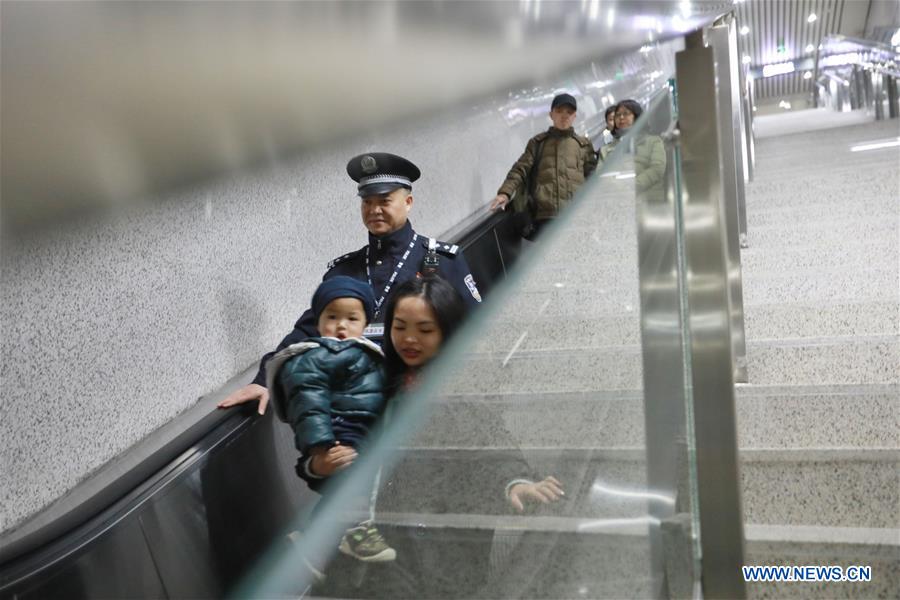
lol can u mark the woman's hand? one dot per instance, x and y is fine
(248, 393)
(327, 461)
(545, 491)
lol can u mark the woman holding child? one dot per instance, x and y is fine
(333, 389)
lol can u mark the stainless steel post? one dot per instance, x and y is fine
(662, 350)
(723, 41)
(890, 84)
(878, 95)
(854, 91)
(709, 319)
(859, 82)
(870, 90)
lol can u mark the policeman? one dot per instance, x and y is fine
(395, 254)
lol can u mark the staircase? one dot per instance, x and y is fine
(819, 422)
(553, 386)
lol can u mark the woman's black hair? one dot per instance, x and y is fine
(448, 307)
(633, 107)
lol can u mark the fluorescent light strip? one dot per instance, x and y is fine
(778, 69)
(875, 146)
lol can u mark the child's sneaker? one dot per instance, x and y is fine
(366, 543)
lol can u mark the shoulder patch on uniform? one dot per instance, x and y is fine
(447, 248)
(444, 247)
(343, 258)
(470, 283)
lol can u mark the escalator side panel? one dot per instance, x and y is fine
(118, 565)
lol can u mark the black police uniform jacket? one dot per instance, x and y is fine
(384, 254)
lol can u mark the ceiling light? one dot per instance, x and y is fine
(807, 75)
(778, 69)
(811, 18)
(810, 48)
(839, 60)
(875, 145)
(746, 60)
(745, 30)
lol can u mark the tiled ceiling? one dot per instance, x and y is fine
(785, 22)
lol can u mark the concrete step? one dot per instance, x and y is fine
(549, 333)
(855, 360)
(461, 556)
(775, 321)
(473, 481)
(856, 253)
(620, 326)
(815, 286)
(835, 488)
(822, 231)
(827, 487)
(609, 368)
(573, 302)
(778, 417)
(828, 211)
(818, 417)
(816, 545)
(870, 360)
(602, 273)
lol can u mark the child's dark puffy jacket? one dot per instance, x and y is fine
(312, 382)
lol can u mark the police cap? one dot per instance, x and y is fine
(380, 173)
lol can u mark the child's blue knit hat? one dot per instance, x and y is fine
(344, 287)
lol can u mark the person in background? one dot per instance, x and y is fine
(395, 254)
(552, 168)
(649, 152)
(606, 136)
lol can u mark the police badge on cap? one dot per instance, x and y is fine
(380, 173)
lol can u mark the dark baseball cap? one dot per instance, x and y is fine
(562, 99)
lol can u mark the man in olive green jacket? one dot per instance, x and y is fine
(565, 160)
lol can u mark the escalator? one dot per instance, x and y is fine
(194, 515)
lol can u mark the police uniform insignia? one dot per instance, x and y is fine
(470, 283)
(448, 249)
(339, 260)
(368, 164)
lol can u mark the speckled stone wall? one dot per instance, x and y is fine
(113, 326)
(116, 323)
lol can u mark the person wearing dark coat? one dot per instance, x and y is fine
(395, 253)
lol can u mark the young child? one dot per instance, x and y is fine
(552, 168)
(330, 389)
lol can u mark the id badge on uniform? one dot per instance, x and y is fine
(374, 331)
